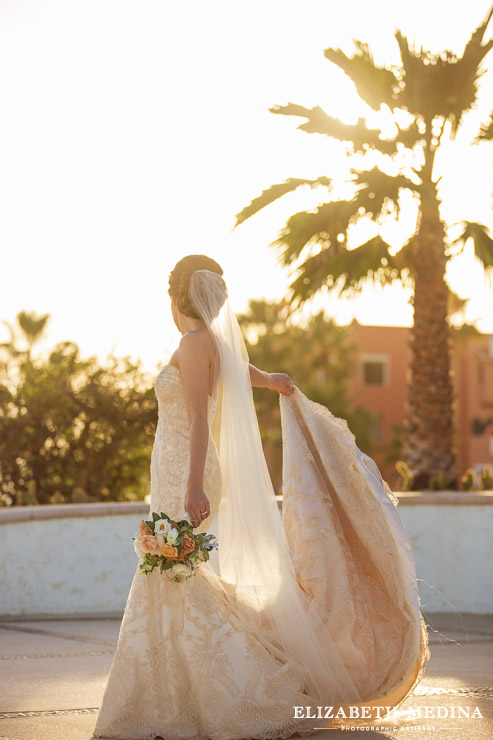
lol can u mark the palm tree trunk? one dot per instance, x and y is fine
(428, 440)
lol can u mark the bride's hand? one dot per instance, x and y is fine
(281, 382)
(195, 502)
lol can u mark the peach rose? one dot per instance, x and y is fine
(144, 529)
(169, 551)
(148, 543)
(188, 544)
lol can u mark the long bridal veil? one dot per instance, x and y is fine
(253, 555)
(330, 588)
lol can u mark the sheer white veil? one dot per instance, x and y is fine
(253, 557)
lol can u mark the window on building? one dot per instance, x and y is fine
(375, 370)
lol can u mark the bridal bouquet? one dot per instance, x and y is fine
(169, 545)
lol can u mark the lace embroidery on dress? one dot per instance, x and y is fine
(361, 574)
(185, 668)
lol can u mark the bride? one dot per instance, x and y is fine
(318, 608)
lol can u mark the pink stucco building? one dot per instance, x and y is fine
(380, 385)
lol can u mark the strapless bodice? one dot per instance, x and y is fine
(170, 460)
(169, 392)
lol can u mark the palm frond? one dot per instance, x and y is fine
(32, 325)
(442, 85)
(410, 136)
(405, 258)
(275, 192)
(482, 240)
(475, 50)
(314, 273)
(322, 226)
(428, 87)
(319, 122)
(486, 131)
(375, 85)
(465, 72)
(456, 304)
(11, 331)
(412, 75)
(378, 189)
(343, 270)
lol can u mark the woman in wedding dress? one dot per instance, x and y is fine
(317, 608)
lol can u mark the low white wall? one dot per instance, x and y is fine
(452, 547)
(79, 558)
(78, 564)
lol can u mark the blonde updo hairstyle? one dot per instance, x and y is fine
(179, 280)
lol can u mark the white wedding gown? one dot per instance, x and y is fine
(187, 666)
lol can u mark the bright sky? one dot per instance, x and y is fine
(131, 133)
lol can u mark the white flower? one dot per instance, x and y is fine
(172, 536)
(138, 549)
(183, 570)
(162, 526)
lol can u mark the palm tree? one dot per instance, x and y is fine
(30, 328)
(430, 93)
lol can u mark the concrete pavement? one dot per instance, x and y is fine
(53, 673)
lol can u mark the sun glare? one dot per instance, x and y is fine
(119, 160)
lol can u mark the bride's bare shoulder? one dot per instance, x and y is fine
(197, 343)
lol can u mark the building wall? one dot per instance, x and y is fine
(387, 401)
(475, 369)
(472, 371)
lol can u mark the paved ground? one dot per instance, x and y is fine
(53, 672)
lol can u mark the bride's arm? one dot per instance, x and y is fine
(274, 381)
(194, 370)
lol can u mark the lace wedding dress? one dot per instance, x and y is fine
(186, 665)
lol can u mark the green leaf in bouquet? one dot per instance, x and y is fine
(150, 524)
(156, 517)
